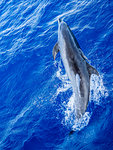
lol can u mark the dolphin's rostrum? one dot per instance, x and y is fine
(76, 65)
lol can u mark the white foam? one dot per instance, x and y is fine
(66, 84)
(97, 89)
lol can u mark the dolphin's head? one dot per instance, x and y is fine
(59, 20)
(62, 26)
(63, 31)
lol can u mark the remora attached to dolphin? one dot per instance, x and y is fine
(76, 65)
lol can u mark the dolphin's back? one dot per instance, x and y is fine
(77, 44)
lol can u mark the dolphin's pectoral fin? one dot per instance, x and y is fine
(92, 70)
(82, 54)
(55, 50)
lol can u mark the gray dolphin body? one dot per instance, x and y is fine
(76, 66)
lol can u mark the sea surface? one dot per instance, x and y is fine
(36, 97)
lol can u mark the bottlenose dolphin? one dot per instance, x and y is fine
(76, 66)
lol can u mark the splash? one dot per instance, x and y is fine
(97, 91)
(66, 84)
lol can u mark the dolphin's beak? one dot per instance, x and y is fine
(59, 20)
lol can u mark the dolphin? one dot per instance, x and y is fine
(76, 65)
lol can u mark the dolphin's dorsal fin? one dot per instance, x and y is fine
(55, 50)
(82, 54)
(92, 70)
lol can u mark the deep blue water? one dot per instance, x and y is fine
(36, 99)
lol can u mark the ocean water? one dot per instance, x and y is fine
(36, 98)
